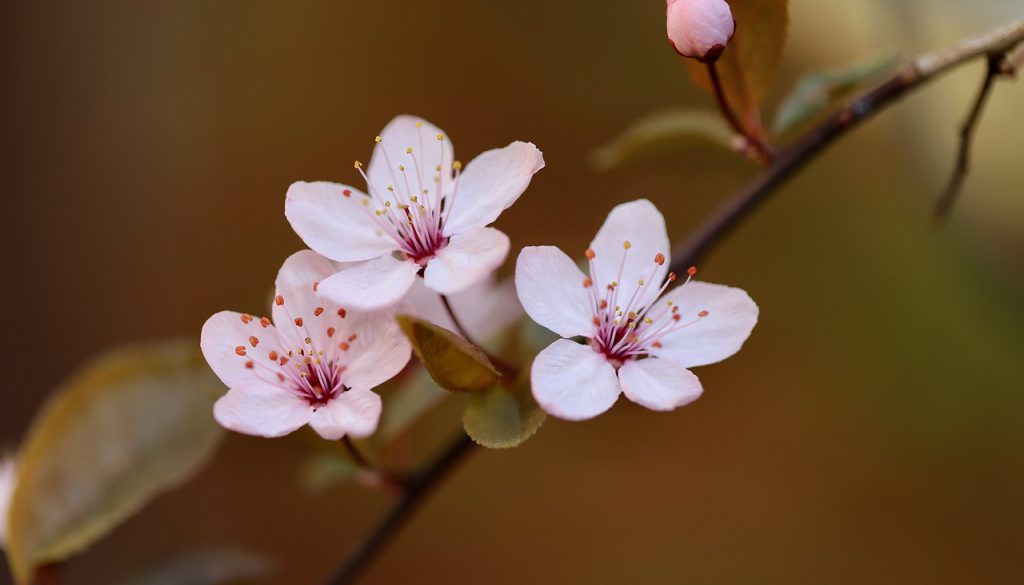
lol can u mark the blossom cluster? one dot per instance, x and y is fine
(418, 237)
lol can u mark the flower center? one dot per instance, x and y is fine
(312, 370)
(627, 328)
(411, 205)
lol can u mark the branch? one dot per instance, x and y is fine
(417, 490)
(789, 161)
(963, 157)
(795, 157)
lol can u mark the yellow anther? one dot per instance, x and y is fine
(648, 320)
(408, 150)
(378, 139)
(640, 282)
(391, 188)
(627, 245)
(440, 136)
(358, 165)
(377, 211)
(419, 124)
(387, 204)
(457, 165)
(413, 198)
(437, 168)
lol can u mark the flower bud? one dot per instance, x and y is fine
(700, 28)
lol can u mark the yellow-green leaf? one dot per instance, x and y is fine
(816, 92)
(131, 424)
(454, 363)
(751, 59)
(501, 418)
(661, 130)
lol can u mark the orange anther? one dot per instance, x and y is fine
(273, 356)
(298, 321)
(590, 254)
(659, 259)
(341, 313)
(246, 318)
(254, 341)
(587, 282)
(240, 350)
(343, 346)
(249, 364)
(671, 276)
(279, 300)
(318, 311)
(330, 331)
(264, 322)
(702, 314)
(692, 271)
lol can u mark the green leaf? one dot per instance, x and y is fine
(324, 470)
(664, 129)
(817, 91)
(406, 405)
(751, 60)
(130, 425)
(204, 567)
(454, 363)
(501, 418)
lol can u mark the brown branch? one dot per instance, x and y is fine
(789, 161)
(963, 158)
(795, 157)
(419, 487)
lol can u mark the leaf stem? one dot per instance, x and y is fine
(761, 151)
(419, 487)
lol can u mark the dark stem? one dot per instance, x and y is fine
(418, 488)
(356, 454)
(963, 158)
(48, 575)
(763, 152)
(505, 368)
(458, 324)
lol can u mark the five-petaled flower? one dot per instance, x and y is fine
(423, 215)
(315, 362)
(640, 341)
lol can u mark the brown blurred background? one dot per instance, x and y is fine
(872, 430)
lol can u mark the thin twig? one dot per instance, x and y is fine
(417, 491)
(455, 320)
(805, 149)
(963, 157)
(507, 370)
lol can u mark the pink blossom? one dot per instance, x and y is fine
(423, 215)
(640, 339)
(314, 362)
(700, 28)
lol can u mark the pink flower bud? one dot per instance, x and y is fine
(700, 28)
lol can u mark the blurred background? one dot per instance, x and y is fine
(872, 430)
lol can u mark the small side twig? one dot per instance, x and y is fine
(963, 158)
(757, 150)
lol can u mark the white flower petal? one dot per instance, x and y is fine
(731, 317)
(354, 413)
(296, 289)
(260, 409)
(468, 259)
(658, 384)
(550, 287)
(333, 223)
(8, 481)
(484, 309)
(227, 344)
(401, 134)
(642, 225)
(573, 381)
(370, 285)
(491, 183)
(378, 352)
